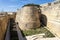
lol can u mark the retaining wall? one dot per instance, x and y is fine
(53, 17)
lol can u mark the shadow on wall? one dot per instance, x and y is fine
(43, 20)
(22, 34)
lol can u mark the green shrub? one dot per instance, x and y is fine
(38, 31)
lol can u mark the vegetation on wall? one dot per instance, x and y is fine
(32, 5)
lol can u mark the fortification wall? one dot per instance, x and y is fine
(12, 15)
(3, 26)
(28, 17)
(52, 13)
(4, 20)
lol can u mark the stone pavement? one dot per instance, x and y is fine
(39, 37)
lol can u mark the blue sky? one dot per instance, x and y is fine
(13, 5)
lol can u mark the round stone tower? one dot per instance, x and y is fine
(28, 17)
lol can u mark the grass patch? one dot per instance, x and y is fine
(38, 31)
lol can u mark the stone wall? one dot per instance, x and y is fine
(28, 17)
(52, 13)
(4, 20)
(12, 15)
(3, 25)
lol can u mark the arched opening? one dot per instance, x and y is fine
(43, 20)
